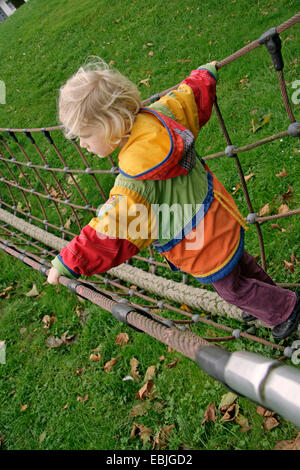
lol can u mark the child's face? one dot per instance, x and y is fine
(92, 139)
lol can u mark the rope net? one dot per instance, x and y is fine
(45, 202)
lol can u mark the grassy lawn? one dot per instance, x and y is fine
(58, 398)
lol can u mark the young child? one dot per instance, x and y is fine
(203, 232)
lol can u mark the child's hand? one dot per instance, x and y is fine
(214, 62)
(53, 276)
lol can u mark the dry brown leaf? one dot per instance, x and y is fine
(243, 422)
(133, 367)
(172, 364)
(283, 209)
(231, 413)
(289, 266)
(291, 444)
(210, 414)
(122, 338)
(83, 399)
(80, 371)
(269, 423)
(23, 407)
(95, 357)
(110, 364)
(47, 320)
(264, 210)
(162, 437)
(145, 81)
(161, 358)
(278, 226)
(282, 174)
(143, 432)
(248, 177)
(55, 342)
(146, 390)
(150, 373)
(293, 258)
(4, 292)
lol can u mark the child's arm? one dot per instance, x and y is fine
(107, 241)
(191, 104)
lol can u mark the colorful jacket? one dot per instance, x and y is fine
(165, 195)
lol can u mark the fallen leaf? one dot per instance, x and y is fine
(47, 320)
(291, 444)
(285, 197)
(122, 338)
(269, 423)
(143, 432)
(248, 177)
(278, 226)
(161, 358)
(283, 209)
(145, 81)
(68, 224)
(289, 266)
(33, 292)
(80, 371)
(55, 342)
(146, 390)
(210, 414)
(66, 406)
(134, 365)
(282, 174)
(110, 364)
(150, 373)
(95, 357)
(293, 258)
(226, 400)
(172, 364)
(23, 407)
(4, 292)
(243, 422)
(258, 124)
(162, 437)
(140, 409)
(265, 210)
(231, 413)
(83, 399)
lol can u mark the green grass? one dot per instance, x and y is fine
(41, 45)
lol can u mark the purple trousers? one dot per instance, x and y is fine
(250, 288)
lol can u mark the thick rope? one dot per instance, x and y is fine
(194, 297)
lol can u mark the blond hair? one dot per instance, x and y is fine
(97, 95)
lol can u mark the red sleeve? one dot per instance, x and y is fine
(203, 85)
(91, 252)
